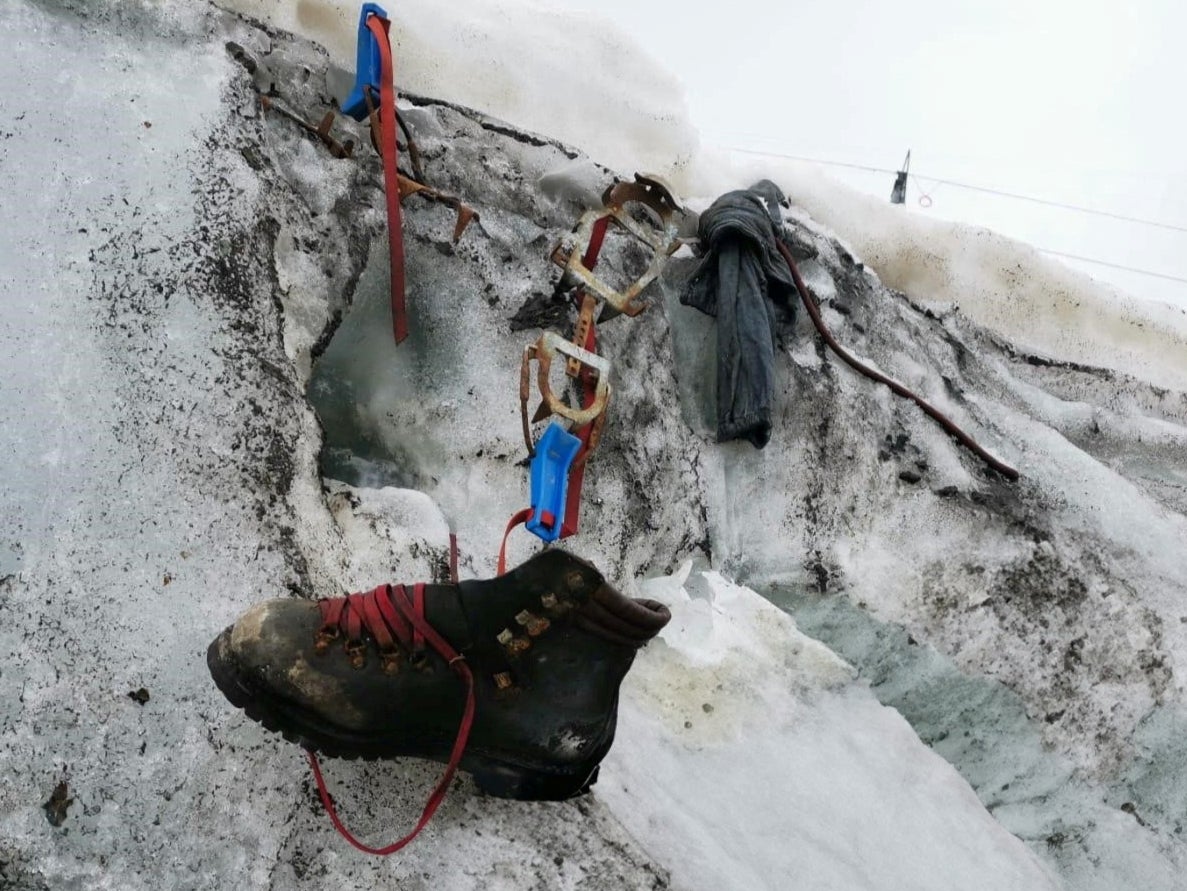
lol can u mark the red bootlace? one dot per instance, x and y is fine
(387, 614)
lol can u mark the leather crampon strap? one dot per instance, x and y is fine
(389, 616)
(930, 410)
(379, 27)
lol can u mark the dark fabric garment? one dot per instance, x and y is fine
(744, 282)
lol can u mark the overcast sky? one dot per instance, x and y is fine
(1078, 102)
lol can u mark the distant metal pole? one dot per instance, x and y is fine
(898, 194)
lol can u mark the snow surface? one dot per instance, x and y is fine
(547, 70)
(172, 265)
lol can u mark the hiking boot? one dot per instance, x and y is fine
(373, 675)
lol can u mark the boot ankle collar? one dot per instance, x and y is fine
(622, 620)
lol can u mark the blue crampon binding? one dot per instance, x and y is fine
(550, 481)
(368, 70)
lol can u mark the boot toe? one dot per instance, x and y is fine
(266, 661)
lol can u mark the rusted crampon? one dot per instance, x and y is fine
(649, 191)
(413, 151)
(464, 212)
(577, 255)
(413, 185)
(321, 131)
(266, 90)
(543, 351)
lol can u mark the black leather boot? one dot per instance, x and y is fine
(376, 675)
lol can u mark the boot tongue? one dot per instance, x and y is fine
(444, 611)
(620, 619)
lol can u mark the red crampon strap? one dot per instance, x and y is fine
(383, 611)
(588, 388)
(577, 474)
(596, 236)
(588, 396)
(391, 184)
(522, 517)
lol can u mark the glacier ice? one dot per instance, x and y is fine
(184, 279)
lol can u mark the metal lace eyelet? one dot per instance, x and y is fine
(390, 661)
(325, 636)
(518, 645)
(356, 652)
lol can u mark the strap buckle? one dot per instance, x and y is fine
(549, 475)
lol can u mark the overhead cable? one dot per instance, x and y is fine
(948, 182)
(1172, 278)
(951, 182)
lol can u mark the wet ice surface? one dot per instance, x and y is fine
(1097, 837)
(164, 478)
(762, 763)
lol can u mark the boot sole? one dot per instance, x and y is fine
(495, 776)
